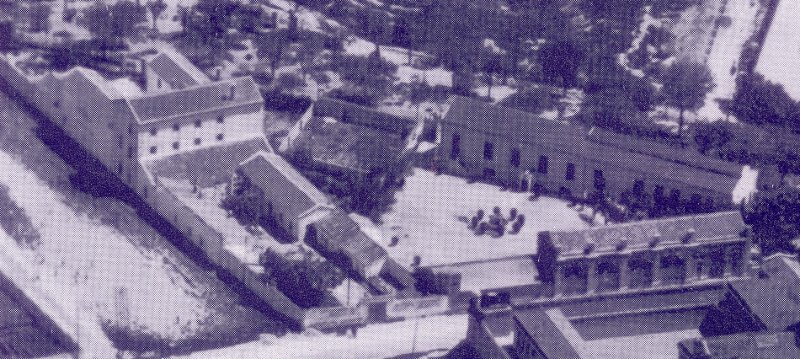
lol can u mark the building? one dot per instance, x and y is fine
(170, 70)
(769, 302)
(741, 346)
(648, 254)
(525, 152)
(631, 325)
(302, 210)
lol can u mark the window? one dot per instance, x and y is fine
(198, 123)
(220, 119)
(488, 151)
(153, 131)
(120, 142)
(176, 127)
(488, 173)
(130, 152)
(153, 149)
(570, 175)
(542, 165)
(197, 141)
(119, 168)
(455, 150)
(638, 186)
(515, 157)
(220, 137)
(158, 83)
(599, 180)
(176, 145)
(130, 128)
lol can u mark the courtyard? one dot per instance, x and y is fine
(431, 216)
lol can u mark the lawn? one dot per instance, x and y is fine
(431, 214)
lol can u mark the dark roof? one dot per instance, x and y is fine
(655, 159)
(176, 70)
(272, 174)
(550, 340)
(664, 151)
(197, 99)
(504, 121)
(714, 227)
(346, 236)
(349, 146)
(207, 166)
(23, 336)
(743, 346)
(774, 300)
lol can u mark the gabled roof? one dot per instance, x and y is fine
(348, 146)
(504, 121)
(272, 174)
(714, 227)
(664, 151)
(549, 338)
(97, 80)
(177, 70)
(775, 300)
(196, 99)
(344, 234)
(743, 346)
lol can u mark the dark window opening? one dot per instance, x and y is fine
(198, 123)
(176, 127)
(455, 150)
(220, 119)
(197, 141)
(542, 168)
(515, 157)
(130, 152)
(176, 145)
(599, 180)
(153, 131)
(489, 173)
(220, 137)
(153, 149)
(488, 151)
(570, 175)
(119, 168)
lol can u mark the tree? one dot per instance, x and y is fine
(708, 136)
(211, 19)
(787, 160)
(7, 34)
(112, 23)
(560, 61)
(244, 201)
(272, 45)
(420, 92)
(248, 17)
(39, 17)
(302, 276)
(686, 85)
(375, 25)
(775, 219)
(759, 102)
(491, 64)
(311, 46)
(156, 7)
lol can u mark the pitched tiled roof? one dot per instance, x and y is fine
(686, 156)
(521, 126)
(349, 146)
(775, 300)
(548, 337)
(712, 227)
(271, 171)
(177, 70)
(196, 99)
(743, 346)
(345, 235)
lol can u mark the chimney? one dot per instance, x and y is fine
(655, 240)
(689, 235)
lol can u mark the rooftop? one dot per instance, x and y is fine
(714, 227)
(547, 329)
(348, 146)
(177, 70)
(346, 233)
(196, 99)
(775, 300)
(269, 170)
(743, 346)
